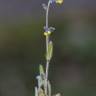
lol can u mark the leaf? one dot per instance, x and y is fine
(39, 81)
(50, 51)
(41, 69)
(49, 88)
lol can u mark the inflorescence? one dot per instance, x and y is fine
(44, 86)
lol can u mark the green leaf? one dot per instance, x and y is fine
(41, 69)
(50, 51)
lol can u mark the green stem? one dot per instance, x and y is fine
(47, 42)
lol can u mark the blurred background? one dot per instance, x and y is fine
(22, 47)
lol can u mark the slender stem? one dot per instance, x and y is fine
(47, 41)
(47, 61)
(47, 12)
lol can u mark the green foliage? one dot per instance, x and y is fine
(50, 51)
(41, 69)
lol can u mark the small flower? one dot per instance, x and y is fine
(47, 33)
(59, 1)
(56, 1)
(51, 1)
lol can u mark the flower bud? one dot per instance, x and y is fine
(59, 1)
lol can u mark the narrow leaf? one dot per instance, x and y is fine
(50, 51)
(41, 69)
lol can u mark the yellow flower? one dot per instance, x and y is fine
(59, 1)
(47, 33)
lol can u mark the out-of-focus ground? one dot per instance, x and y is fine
(22, 47)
